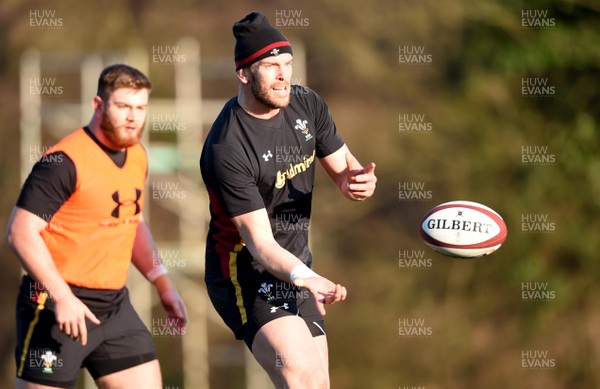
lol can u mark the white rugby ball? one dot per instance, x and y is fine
(463, 229)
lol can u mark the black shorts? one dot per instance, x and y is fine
(246, 304)
(46, 356)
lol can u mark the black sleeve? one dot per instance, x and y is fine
(233, 181)
(51, 182)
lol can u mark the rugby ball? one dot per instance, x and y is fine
(463, 229)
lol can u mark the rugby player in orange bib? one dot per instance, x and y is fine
(76, 228)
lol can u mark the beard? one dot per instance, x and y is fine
(261, 93)
(121, 140)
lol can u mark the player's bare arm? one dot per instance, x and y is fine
(354, 181)
(23, 235)
(146, 259)
(255, 230)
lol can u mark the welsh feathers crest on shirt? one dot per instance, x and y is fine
(301, 125)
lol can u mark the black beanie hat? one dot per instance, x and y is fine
(257, 39)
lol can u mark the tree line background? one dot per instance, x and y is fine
(533, 157)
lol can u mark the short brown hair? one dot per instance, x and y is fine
(121, 76)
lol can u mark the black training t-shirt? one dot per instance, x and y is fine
(249, 163)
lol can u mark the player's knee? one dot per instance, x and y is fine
(305, 377)
(320, 380)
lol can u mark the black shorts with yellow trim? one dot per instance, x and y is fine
(46, 356)
(247, 303)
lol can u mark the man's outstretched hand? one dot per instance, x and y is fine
(324, 291)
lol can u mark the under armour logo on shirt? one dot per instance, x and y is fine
(267, 156)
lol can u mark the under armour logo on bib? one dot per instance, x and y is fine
(126, 203)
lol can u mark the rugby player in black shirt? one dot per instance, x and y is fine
(258, 164)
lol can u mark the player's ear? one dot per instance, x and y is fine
(97, 103)
(244, 75)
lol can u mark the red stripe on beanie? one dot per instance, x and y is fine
(260, 52)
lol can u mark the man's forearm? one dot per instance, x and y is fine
(276, 260)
